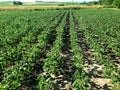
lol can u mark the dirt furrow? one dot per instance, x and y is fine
(64, 80)
(92, 66)
(115, 59)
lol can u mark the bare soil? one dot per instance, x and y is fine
(65, 79)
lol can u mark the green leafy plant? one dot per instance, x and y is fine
(44, 84)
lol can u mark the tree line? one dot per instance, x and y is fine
(110, 2)
(17, 3)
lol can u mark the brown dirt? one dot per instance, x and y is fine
(65, 79)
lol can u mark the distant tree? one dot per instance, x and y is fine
(100, 2)
(61, 4)
(84, 2)
(110, 2)
(17, 3)
(116, 3)
(107, 2)
(95, 2)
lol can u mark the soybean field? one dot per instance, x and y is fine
(60, 50)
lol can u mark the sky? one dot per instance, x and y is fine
(51, 0)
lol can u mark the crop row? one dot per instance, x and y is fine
(80, 77)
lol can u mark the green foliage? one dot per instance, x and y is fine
(44, 84)
(81, 81)
(17, 3)
(80, 78)
(110, 3)
(2, 88)
(107, 2)
(61, 5)
(116, 3)
(54, 61)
